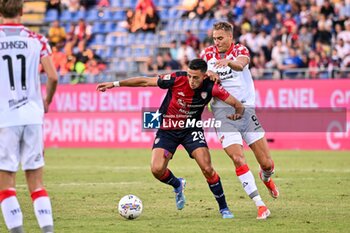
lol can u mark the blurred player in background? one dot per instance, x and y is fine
(21, 115)
(231, 62)
(188, 94)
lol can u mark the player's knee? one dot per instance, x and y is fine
(238, 159)
(208, 171)
(267, 165)
(157, 171)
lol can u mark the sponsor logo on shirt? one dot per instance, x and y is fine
(181, 93)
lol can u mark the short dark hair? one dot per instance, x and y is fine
(198, 64)
(11, 8)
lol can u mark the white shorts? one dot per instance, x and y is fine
(21, 144)
(234, 132)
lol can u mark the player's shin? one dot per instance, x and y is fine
(43, 210)
(169, 178)
(248, 183)
(11, 211)
(218, 191)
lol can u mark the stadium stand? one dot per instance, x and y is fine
(318, 31)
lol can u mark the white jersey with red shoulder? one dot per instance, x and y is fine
(21, 100)
(238, 83)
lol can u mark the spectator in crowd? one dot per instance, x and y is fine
(208, 40)
(142, 5)
(57, 34)
(70, 33)
(88, 4)
(185, 53)
(54, 5)
(192, 40)
(335, 63)
(83, 31)
(170, 63)
(69, 61)
(140, 14)
(71, 5)
(174, 49)
(343, 49)
(198, 8)
(58, 59)
(323, 34)
(345, 35)
(342, 10)
(290, 62)
(160, 63)
(314, 60)
(305, 39)
(94, 64)
(327, 9)
(128, 23)
(188, 6)
(92, 67)
(150, 20)
(80, 54)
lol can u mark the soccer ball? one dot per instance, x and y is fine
(130, 207)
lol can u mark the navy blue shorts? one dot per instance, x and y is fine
(190, 139)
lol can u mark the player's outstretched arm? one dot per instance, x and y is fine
(130, 82)
(237, 65)
(52, 79)
(237, 105)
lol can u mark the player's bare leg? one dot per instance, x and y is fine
(41, 200)
(235, 152)
(202, 157)
(11, 210)
(159, 164)
(262, 154)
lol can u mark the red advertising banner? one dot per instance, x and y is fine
(81, 117)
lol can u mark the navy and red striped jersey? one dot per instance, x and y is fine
(182, 102)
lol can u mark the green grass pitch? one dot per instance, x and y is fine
(85, 186)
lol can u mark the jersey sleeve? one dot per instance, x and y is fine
(219, 92)
(202, 55)
(45, 49)
(166, 81)
(241, 50)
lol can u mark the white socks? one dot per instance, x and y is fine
(10, 209)
(248, 183)
(42, 208)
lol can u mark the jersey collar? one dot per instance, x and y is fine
(226, 53)
(229, 50)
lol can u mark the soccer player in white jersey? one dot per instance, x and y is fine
(22, 109)
(230, 61)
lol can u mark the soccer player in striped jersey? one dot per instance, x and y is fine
(22, 109)
(230, 61)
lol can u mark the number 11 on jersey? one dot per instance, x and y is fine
(10, 69)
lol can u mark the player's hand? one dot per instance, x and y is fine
(234, 117)
(222, 63)
(213, 76)
(46, 106)
(238, 115)
(104, 86)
